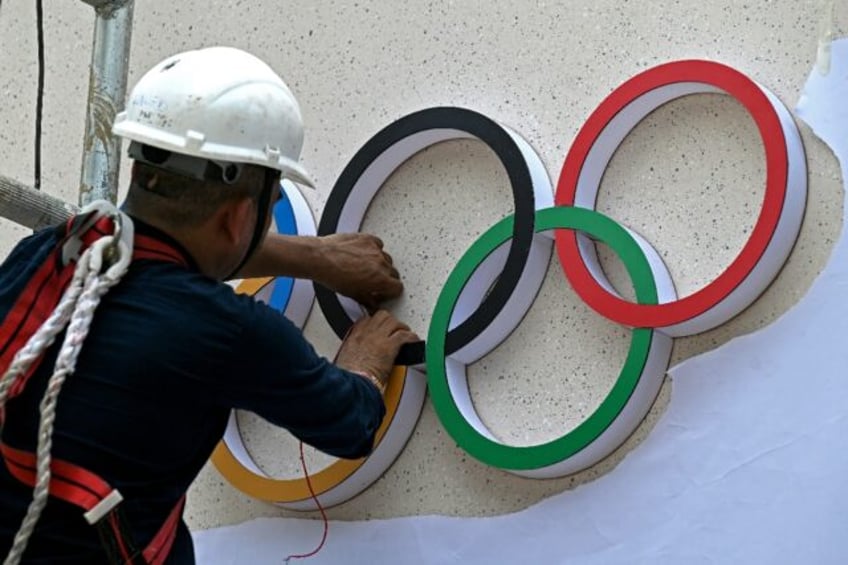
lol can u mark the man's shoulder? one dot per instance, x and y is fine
(26, 248)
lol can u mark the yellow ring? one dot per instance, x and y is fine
(284, 491)
(328, 483)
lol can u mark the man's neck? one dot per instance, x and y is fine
(193, 240)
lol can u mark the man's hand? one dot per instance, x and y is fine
(372, 345)
(352, 264)
(355, 265)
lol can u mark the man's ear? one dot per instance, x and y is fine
(232, 218)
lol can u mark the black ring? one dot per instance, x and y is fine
(460, 122)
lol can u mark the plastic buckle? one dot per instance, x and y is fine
(112, 500)
(72, 245)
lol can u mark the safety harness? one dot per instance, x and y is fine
(69, 482)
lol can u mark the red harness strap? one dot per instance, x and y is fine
(39, 298)
(44, 290)
(83, 488)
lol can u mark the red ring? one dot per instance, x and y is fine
(746, 92)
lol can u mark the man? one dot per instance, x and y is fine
(172, 349)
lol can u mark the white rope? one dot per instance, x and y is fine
(76, 310)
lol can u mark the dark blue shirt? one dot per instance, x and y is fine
(170, 352)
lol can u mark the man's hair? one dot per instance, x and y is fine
(181, 201)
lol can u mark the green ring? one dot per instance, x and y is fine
(534, 457)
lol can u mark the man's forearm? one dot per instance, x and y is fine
(285, 256)
(351, 264)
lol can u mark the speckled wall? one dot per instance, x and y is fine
(689, 178)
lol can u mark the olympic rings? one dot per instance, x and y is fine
(627, 403)
(511, 259)
(385, 152)
(773, 235)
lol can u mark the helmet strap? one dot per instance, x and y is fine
(262, 207)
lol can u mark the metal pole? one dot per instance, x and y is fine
(32, 208)
(106, 93)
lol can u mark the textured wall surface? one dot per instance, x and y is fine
(689, 178)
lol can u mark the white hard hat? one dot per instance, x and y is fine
(220, 104)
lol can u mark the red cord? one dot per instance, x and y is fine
(320, 509)
(119, 539)
(314, 496)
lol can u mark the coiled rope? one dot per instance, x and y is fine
(100, 267)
